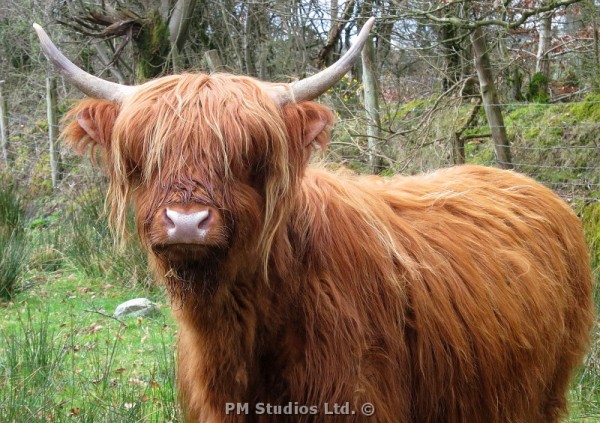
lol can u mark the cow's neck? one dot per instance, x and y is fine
(226, 317)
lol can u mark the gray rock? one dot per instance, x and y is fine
(136, 307)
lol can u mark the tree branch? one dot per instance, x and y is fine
(334, 34)
(471, 24)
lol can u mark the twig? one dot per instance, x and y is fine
(569, 95)
(106, 315)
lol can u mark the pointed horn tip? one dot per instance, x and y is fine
(40, 31)
(313, 86)
(365, 31)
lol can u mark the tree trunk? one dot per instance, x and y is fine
(333, 11)
(372, 106)
(179, 23)
(334, 34)
(108, 62)
(256, 45)
(515, 83)
(450, 46)
(458, 149)
(596, 49)
(458, 140)
(489, 95)
(53, 130)
(214, 61)
(542, 64)
(4, 126)
(152, 47)
(261, 35)
(249, 45)
(594, 9)
(234, 33)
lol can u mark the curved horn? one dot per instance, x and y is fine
(315, 85)
(89, 84)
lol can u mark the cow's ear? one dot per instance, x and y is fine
(309, 124)
(90, 123)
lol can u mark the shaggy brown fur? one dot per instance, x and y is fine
(459, 296)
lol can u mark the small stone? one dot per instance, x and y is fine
(136, 307)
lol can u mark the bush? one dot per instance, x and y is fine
(13, 245)
(538, 89)
(590, 217)
(91, 247)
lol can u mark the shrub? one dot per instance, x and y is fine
(91, 247)
(537, 91)
(13, 246)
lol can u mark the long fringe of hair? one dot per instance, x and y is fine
(178, 124)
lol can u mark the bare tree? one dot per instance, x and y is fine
(158, 31)
(372, 106)
(335, 32)
(489, 94)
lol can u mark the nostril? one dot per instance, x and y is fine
(204, 218)
(168, 221)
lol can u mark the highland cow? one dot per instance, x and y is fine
(304, 294)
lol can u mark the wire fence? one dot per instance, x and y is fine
(564, 155)
(557, 144)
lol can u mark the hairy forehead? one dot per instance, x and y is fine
(198, 99)
(194, 121)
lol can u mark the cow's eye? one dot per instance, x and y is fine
(133, 172)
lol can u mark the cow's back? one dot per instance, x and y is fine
(491, 283)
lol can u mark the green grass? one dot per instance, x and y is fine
(62, 356)
(63, 359)
(585, 392)
(584, 397)
(13, 245)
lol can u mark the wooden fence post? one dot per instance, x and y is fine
(376, 163)
(214, 61)
(52, 111)
(4, 126)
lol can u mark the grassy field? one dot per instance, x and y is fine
(63, 358)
